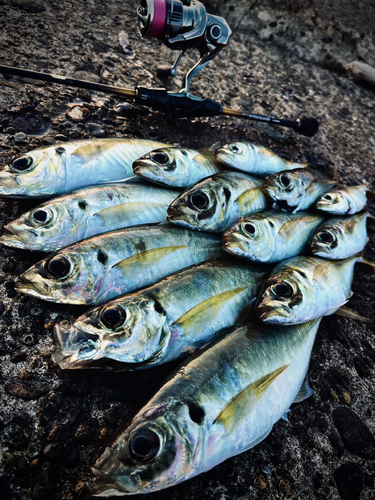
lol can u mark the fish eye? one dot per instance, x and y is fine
(234, 148)
(285, 181)
(144, 445)
(199, 200)
(113, 317)
(22, 163)
(327, 197)
(325, 237)
(250, 229)
(57, 267)
(40, 217)
(160, 157)
(282, 289)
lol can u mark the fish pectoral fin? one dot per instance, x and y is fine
(125, 211)
(154, 255)
(304, 392)
(90, 151)
(247, 314)
(346, 312)
(239, 407)
(210, 306)
(247, 199)
(285, 416)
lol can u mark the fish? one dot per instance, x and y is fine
(253, 159)
(303, 288)
(217, 202)
(164, 322)
(344, 200)
(114, 263)
(270, 236)
(221, 402)
(296, 190)
(176, 167)
(87, 212)
(62, 168)
(339, 237)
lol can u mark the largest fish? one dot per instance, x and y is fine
(220, 403)
(61, 168)
(111, 264)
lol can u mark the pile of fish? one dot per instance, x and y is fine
(210, 252)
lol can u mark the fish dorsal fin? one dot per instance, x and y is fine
(126, 211)
(240, 406)
(304, 392)
(149, 256)
(250, 197)
(207, 307)
(90, 151)
(346, 312)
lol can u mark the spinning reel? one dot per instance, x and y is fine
(182, 25)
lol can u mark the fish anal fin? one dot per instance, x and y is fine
(154, 255)
(304, 392)
(346, 312)
(239, 407)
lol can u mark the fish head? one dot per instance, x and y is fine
(284, 188)
(68, 277)
(286, 298)
(325, 240)
(32, 172)
(236, 155)
(158, 450)
(46, 227)
(333, 202)
(128, 330)
(168, 166)
(203, 207)
(250, 237)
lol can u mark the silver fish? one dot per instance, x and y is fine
(253, 159)
(270, 236)
(217, 202)
(176, 167)
(167, 321)
(296, 190)
(62, 168)
(339, 238)
(111, 264)
(304, 288)
(343, 200)
(221, 402)
(88, 212)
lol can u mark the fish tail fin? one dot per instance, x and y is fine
(371, 220)
(370, 194)
(346, 312)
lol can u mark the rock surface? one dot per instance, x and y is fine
(285, 59)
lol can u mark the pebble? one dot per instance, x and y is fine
(20, 138)
(60, 137)
(363, 369)
(87, 75)
(96, 130)
(354, 433)
(349, 481)
(337, 443)
(29, 5)
(83, 435)
(24, 389)
(10, 131)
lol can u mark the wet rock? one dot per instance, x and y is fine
(10, 131)
(45, 483)
(20, 138)
(29, 5)
(24, 389)
(51, 451)
(61, 137)
(96, 129)
(354, 433)
(349, 481)
(363, 369)
(337, 443)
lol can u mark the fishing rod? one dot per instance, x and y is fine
(180, 25)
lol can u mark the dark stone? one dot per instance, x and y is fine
(45, 483)
(2, 308)
(29, 5)
(349, 481)
(363, 369)
(60, 137)
(16, 357)
(323, 423)
(51, 451)
(355, 434)
(96, 129)
(337, 443)
(23, 389)
(100, 46)
(20, 137)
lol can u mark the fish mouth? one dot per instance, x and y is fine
(104, 486)
(29, 286)
(174, 214)
(17, 239)
(70, 346)
(269, 314)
